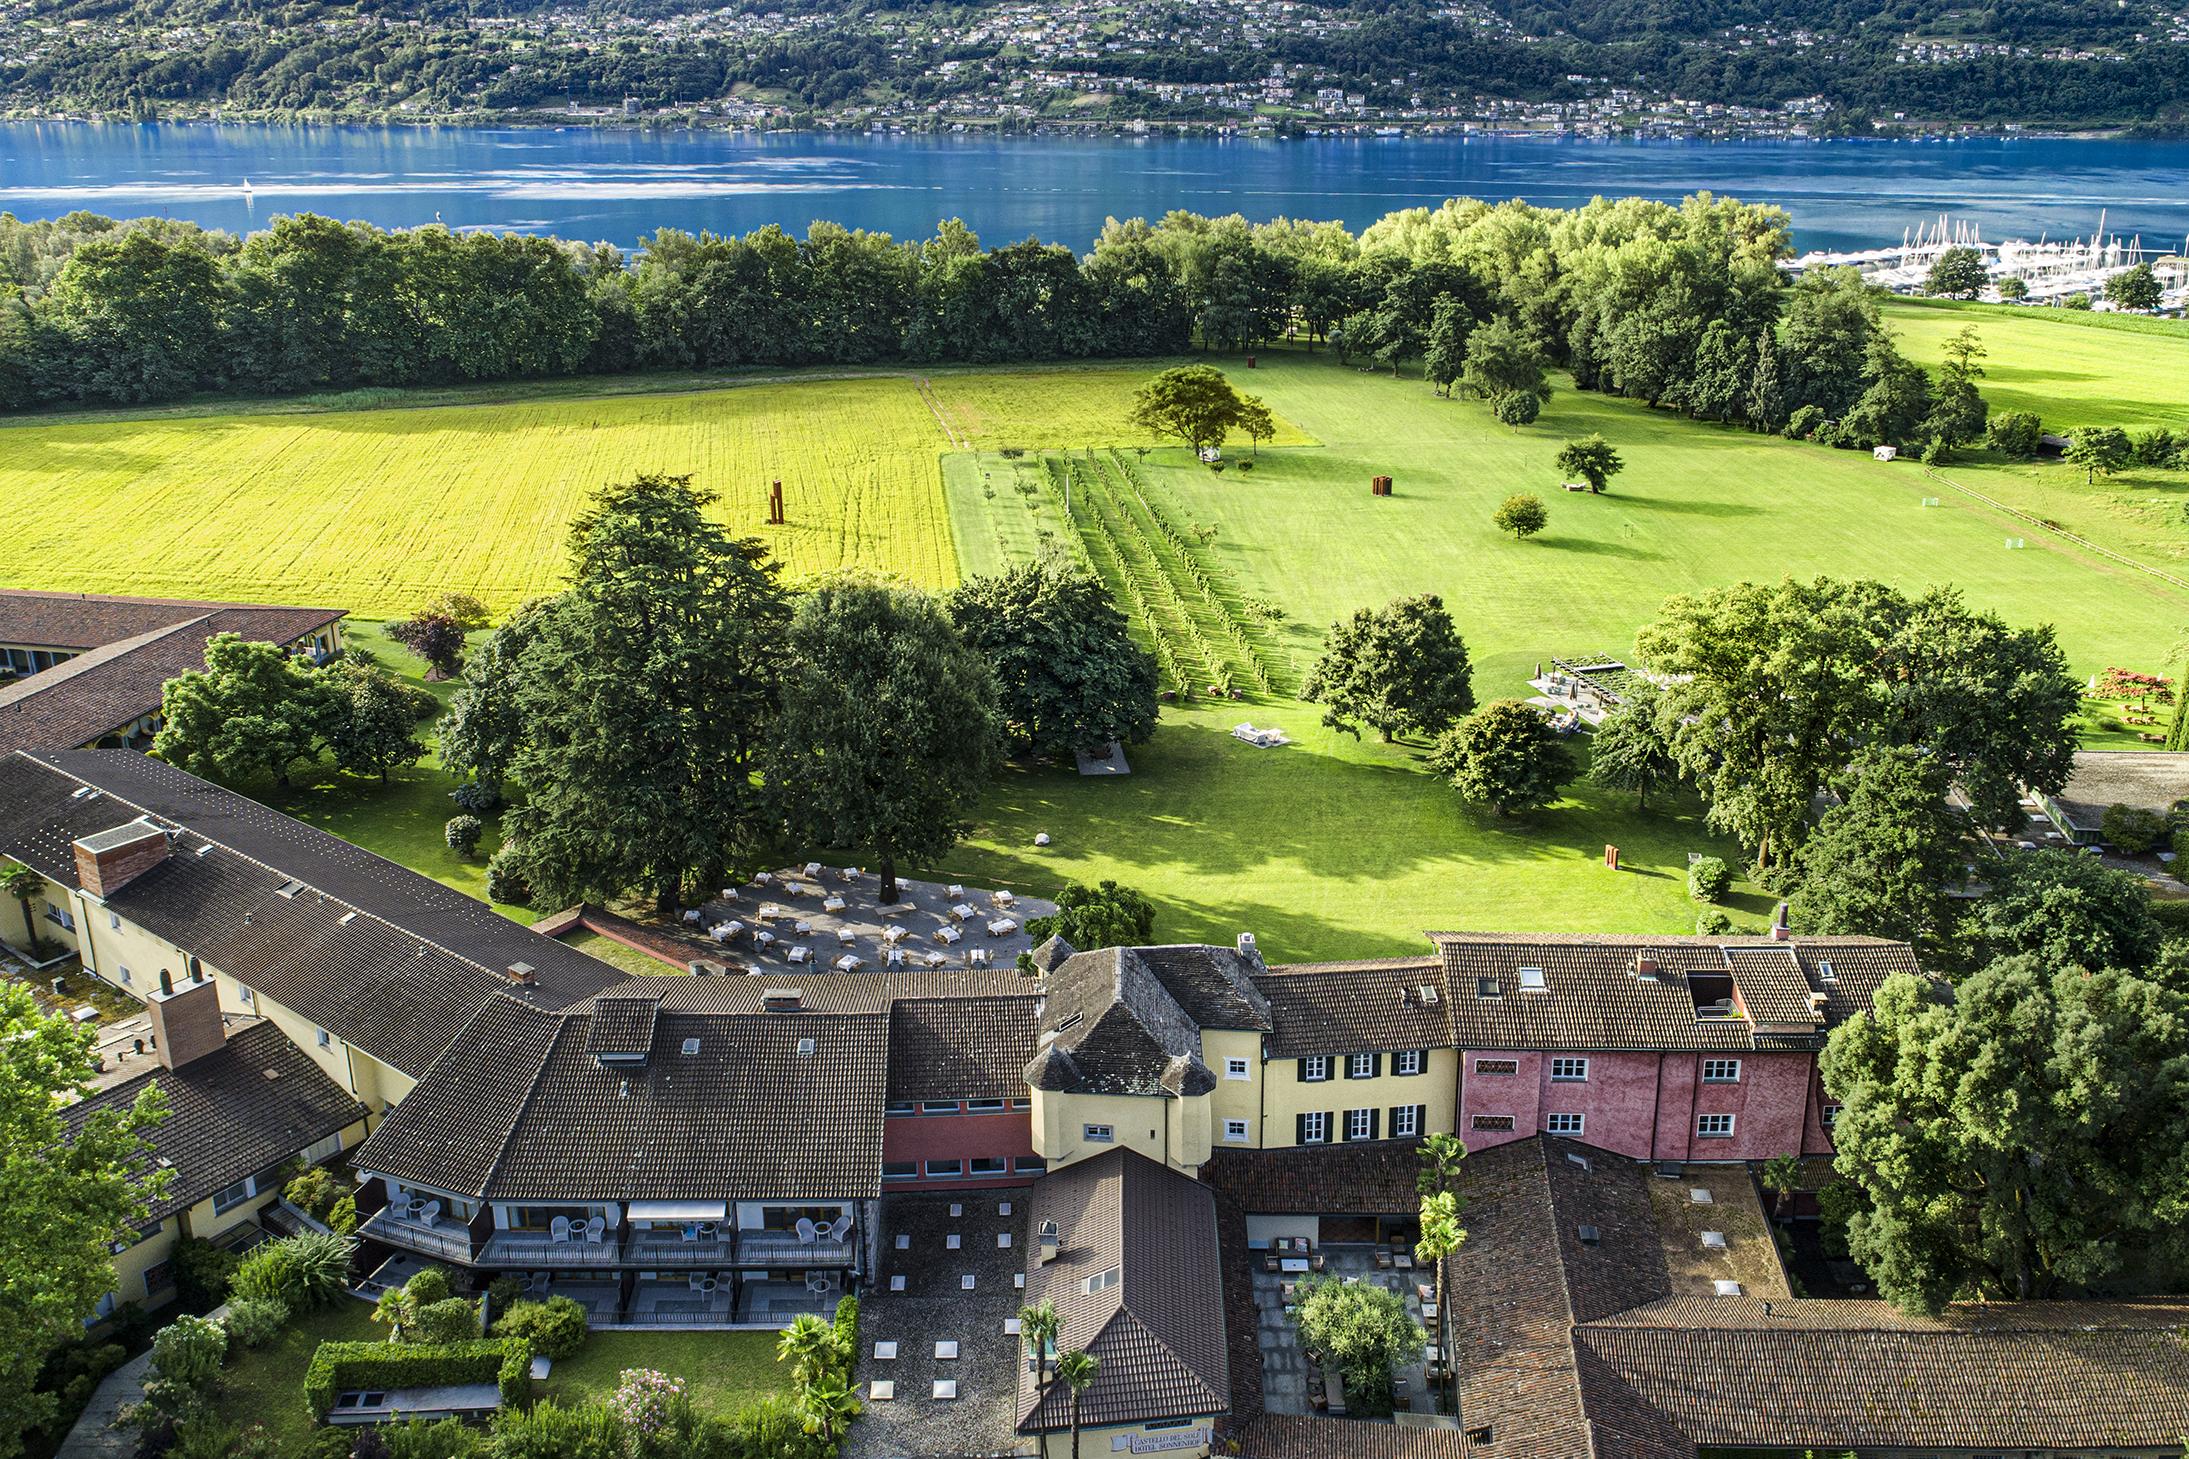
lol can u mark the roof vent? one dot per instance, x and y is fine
(1589, 1235)
(1068, 1022)
(1645, 965)
(782, 1000)
(1531, 980)
(271, 1074)
(1817, 1001)
(623, 1090)
(524, 975)
(1577, 1158)
(1428, 994)
(346, 918)
(206, 849)
(1246, 944)
(805, 1048)
(691, 1046)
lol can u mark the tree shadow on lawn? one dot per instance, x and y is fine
(1599, 547)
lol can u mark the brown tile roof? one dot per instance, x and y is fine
(1859, 1375)
(519, 1108)
(1305, 1436)
(622, 1027)
(119, 680)
(960, 1048)
(1158, 1330)
(388, 960)
(79, 621)
(1338, 1008)
(1367, 1179)
(821, 992)
(1214, 985)
(1110, 1026)
(248, 1105)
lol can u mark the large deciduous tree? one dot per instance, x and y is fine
(1882, 862)
(889, 726)
(2067, 909)
(1632, 748)
(645, 697)
(372, 720)
(2025, 1135)
(1505, 756)
(1192, 403)
(254, 709)
(1068, 674)
(1957, 273)
(1591, 459)
(1103, 915)
(1400, 669)
(1503, 360)
(1773, 690)
(65, 1195)
(2099, 451)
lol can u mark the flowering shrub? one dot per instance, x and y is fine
(654, 1410)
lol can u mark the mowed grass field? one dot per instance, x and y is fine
(376, 510)
(2075, 370)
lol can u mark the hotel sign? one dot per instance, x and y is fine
(1168, 1439)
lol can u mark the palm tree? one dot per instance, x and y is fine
(1441, 1236)
(398, 1308)
(1037, 1329)
(809, 1346)
(828, 1406)
(26, 886)
(1076, 1371)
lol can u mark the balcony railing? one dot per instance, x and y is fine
(508, 1248)
(449, 1239)
(784, 1249)
(669, 1249)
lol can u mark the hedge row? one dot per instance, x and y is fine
(339, 1367)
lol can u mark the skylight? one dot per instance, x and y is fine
(1531, 980)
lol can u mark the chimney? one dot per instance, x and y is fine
(1645, 965)
(522, 975)
(1047, 1237)
(1780, 931)
(782, 1000)
(112, 859)
(1246, 944)
(185, 1019)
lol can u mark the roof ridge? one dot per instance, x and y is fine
(563, 1023)
(183, 827)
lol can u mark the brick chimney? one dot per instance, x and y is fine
(1781, 931)
(110, 860)
(185, 1019)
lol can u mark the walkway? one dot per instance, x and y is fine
(95, 1436)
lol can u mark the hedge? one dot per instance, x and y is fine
(2172, 915)
(339, 1367)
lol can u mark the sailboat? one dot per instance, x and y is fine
(247, 189)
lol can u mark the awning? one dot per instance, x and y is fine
(678, 1210)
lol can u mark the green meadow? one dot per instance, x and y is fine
(1328, 847)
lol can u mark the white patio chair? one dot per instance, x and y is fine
(979, 957)
(695, 1280)
(894, 958)
(842, 1225)
(594, 1229)
(559, 1229)
(431, 1214)
(806, 1231)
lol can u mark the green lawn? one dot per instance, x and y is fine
(722, 1371)
(266, 1385)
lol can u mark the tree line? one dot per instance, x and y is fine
(1679, 305)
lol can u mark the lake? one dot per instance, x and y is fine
(615, 185)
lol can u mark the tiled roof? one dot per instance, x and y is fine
(1595, 997)
(1109, 1026)
(388, 960)
(622, 1027)
(1334, 1008)
(1859, 1375)
(960, 1048)
(119, 681)
(1310, 1436)
(246, 1106)
(1373, 1178)
(1214, 985)
(81, 621)
(764, 1107)
(1158, 1330)
(820, 992)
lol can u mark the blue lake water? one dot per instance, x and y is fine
(617, 185)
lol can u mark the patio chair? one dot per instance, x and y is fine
(431, 1215)
(894, 958)
(558, 1229)
(595, 1229)
(806, 1231)
(840, 1228)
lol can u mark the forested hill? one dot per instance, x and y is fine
(1841, 64)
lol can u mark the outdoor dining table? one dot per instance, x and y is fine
(1293, 1264)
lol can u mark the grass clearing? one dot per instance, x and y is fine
(265, 1386)
(723, 1371)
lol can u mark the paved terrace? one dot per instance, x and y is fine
(921, 1299)
(814, 916)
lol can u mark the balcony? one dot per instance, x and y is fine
(784, 1249)
(447, 1238)
(671, 1248)
(538, 1249)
